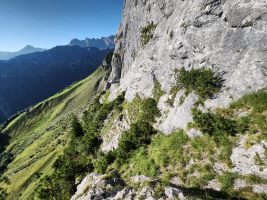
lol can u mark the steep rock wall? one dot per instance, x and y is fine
(229, 37)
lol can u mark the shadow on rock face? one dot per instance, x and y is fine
(204, 193)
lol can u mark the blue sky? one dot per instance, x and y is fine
(47, 23)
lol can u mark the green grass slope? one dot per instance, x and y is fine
(39, 135)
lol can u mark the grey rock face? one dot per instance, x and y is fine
(227, 36)
(177, 116)
(111, 138)
(257, 188)
(174, 193)
(96, 186)
(244, 158)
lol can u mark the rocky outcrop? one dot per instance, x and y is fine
(157, 37)
(112, 132)
(227, 36)
(245, 159)
(176, 116)
(96, 186)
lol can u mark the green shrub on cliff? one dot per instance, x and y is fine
(147, 33)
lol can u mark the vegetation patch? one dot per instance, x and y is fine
(149, 110)
(248, 193)
(82, 154)
(181, 100)
(214, 124)
(255, 104)
(254, 179)
(102, 161)
(133, 142)
(144, 151)
(3, 194)
(173, 153)
(257, 101)
(133, 108)
(168, 150)
(221, 129)
(224, 125)
(171, 34)
(157, 91)
(205, 173)
(142, 164)
(139, 135)
(106, 96)
(147, 33)
(174, 89)
(203, 81)
(227, 181)
(202, 144)
(142, 110)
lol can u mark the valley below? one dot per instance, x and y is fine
(177, 110)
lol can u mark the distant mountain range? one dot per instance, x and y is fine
(28, 79)
(101, 43)
(26, 50)
(33, 74)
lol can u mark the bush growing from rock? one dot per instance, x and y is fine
(138, 135)
(76, 128)
(168, 149)
(3, 193)
(103, 161)
(81, 156)
(157, 91)
(141, 164)
(147, 33)
(227, 181)
(149, 110)
(214, 124)
(203, 81)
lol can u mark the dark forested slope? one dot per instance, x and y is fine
(28, 79)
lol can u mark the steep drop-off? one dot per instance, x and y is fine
(39, 135)
(182, 114)
(201, 61)
(28, 79)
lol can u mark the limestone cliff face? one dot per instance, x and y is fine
(227, 36)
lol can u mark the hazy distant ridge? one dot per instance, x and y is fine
(28, 79)
(26, 50)
(100, 43)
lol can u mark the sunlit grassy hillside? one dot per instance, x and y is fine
(39, 135)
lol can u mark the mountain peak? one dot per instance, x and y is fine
(26, 50)
(28, 47)
(101, 43)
